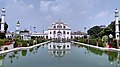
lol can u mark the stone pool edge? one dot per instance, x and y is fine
(101, 48)
(22, 48)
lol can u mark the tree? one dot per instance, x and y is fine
(94, 31)
(111, 28)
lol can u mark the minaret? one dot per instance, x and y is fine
(30, 30)
(116, 25)
(3, 20)
(18, 28)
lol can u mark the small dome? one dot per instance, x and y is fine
(18, 22)
(3, 9)
(116, 10)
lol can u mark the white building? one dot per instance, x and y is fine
(59, 31)
(9, 35)
(7, 46)
(25, 35)
(38, 35)
(77, 34)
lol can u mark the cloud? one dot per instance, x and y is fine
(58, 8)
(102, 14)
(17, 10)
(31, 6)
(44, 5)
(20, 5)
(84, 12)
(42, 13)
(89, 3)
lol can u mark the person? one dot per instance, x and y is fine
(110, 44)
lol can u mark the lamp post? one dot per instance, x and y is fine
(84, 31)
(34, 29)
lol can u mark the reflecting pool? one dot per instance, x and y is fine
(60, 55)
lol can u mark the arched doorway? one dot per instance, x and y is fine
(59, 34)
(6, 48)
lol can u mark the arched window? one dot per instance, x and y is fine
(50, 33)
(64, 32)
(54, 26)
(54, 32)
(59, 32)
(64, 27)
(59, 26)
(67, 32)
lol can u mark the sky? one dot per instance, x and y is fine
(42, 13)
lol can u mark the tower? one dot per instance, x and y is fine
(3, 20)
(30, 30)
(116, 25)
(18, 28)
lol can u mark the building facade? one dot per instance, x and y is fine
(25, 35)
(38, 35)
(77, 34)
(59, 31)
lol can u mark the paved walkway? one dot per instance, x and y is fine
(23, 48)
(101, 48)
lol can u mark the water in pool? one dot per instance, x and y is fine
(60, 55)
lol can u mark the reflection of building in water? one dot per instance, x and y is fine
(2, 56)
(59, 46)
(59, 49)
(1, 62)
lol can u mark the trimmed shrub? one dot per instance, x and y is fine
(2, 42)
(24, 43)
(92, 42)
(40, 40)
(114, 43)
(100, 43)
(19, 44)
(30, 42)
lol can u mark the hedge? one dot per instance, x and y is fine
(24, 43)
(92, 41)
